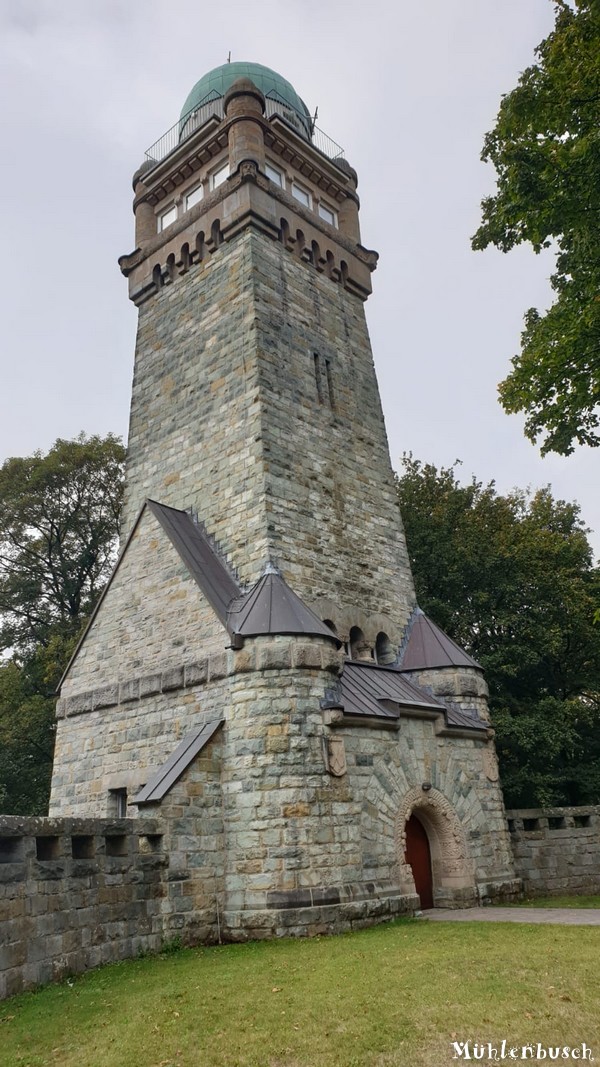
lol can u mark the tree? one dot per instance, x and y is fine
(545, 148)
(511, 579)
(59, 522)
(59, 519)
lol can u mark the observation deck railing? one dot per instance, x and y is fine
(212, 104)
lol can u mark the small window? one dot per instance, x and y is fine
(11, 849)
(359, 648)
(301, 194)
(328, 214)
(167, 218)
(118, 804)
(579, 821)
(219, 176)
(275, 175)
(384, 650)
(194, 197)
(47, 848)
(82, 847)
(150, 843)
(116, 844)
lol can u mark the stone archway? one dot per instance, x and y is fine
(451, 867)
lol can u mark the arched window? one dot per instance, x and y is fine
(331, 626)
(359, 647)
(384, 650)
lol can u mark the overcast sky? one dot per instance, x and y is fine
(408, 89)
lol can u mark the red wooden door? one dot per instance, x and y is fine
(419, 858)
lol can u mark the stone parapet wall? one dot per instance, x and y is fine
(556, 850)
(76, 893)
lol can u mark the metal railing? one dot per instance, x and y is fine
(212, 104)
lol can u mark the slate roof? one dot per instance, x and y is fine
(384, 693)
(425, 646)
(165, 777)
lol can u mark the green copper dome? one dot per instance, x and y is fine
(218, 81)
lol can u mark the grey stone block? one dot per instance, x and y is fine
(172, 679)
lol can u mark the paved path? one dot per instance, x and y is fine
(566, 916)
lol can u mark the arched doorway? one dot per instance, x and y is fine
(452, 877)
(418, 857)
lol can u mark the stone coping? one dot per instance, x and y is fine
(256, 655)
(549, 812)
(40, 825)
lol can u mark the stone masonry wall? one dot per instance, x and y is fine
(192, 815)
(75, 894)
(153, 617)
(556, 850)
(152, 668)
(332, 509)
(99, 750)
(310, 852)
(255, 401)
(195, 426)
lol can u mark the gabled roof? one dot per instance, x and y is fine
(271, 607)
(425, 646)
(202, 561)
(165, 777)
(384, 693)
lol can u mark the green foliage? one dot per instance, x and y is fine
(59, 516)
(27, 728)
(545, 148)
(511, 579)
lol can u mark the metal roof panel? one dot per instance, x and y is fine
(165, 777)
(271, 607)
(427, 646)
(202, 561)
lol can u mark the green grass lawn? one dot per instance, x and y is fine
(558, 902)
(391, 996)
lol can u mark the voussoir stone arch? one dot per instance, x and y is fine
(451, 863)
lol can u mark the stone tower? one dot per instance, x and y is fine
(258, 674)
(255, 401)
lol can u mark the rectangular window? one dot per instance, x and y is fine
(47, 848)
(116, 844)
(317, 363)
(324, 380)
(11, 849)
(328, 214)
(118, 803)
(193, 197)
(82, 847)
(581, 820)
(167, 217)
(275, 175)
(329, 379)
(219, 176)
(301, 194)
